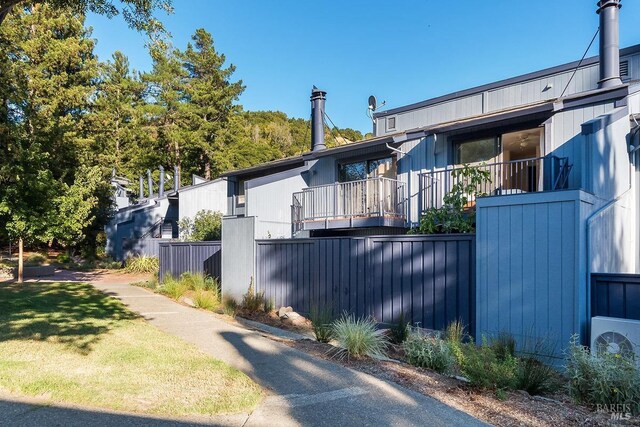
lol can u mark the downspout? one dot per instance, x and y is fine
(611, 203)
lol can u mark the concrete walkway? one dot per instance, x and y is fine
(301, 389)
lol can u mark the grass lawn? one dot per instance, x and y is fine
(68, 342)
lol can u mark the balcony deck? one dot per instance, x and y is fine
(374, 202)
(538, 174)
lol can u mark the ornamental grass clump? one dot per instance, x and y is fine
(142, 264)
(428, 352)
(358, 337)
(253, 301)
(205, 299)
(173, 288)
(321, 323)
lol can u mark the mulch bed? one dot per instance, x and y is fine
(517, 409)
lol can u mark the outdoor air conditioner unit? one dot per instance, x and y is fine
(617, 336)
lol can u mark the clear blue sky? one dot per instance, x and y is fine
(401, 51)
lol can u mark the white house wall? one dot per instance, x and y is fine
(211, 196)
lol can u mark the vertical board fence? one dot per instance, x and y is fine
(429, 279)
(193, 257)
(615, 295)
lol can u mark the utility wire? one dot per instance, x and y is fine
(335, 127)
(580, 63)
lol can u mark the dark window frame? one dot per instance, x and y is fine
(366, 161)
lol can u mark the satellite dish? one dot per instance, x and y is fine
(373, 103)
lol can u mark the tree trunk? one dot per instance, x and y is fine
(20, 260)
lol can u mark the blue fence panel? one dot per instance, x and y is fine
(615, 295)
(193, 257)
(428, 279)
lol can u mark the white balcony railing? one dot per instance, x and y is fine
(514, 177)
(374, 197)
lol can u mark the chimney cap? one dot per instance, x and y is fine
(608, 3)
(317, 93)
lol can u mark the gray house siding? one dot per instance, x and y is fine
(540, 86)
(238, 256)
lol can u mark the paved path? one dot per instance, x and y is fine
(301, 389)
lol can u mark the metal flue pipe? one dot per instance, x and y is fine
(609, 11)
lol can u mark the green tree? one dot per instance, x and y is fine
(209, 102)
(27, 189)
(206, 225)
(139, 14)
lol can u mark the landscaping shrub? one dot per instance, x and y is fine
(428, 352)
(269, 305)
(503, 345)
(206, 225)
(482, 367)
(205, 299)
(35, 259)
(454, 335)
(149, 284)
(606, 379)
(321, 323)
(535, 377)
(142, 264)
(359, 337)
(253, 301)
(229, 306)
(173, 288)
(400, 330)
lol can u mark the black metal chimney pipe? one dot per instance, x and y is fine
(150, 183)
(161, 187)
(609, 43)
(141, 187)
(176, 178)
(317, 119)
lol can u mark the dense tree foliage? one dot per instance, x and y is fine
(67, 121)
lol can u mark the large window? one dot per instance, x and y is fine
(478, 150)
(364, 169)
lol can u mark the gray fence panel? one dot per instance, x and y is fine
(193, 257)
(147, 246)
(615, 295)
(430, 279)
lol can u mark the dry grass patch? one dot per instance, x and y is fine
(68, 342)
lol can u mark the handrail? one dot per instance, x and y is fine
(333, 184)
(509, 177)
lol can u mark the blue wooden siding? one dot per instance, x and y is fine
(531, 266)
(428, 278)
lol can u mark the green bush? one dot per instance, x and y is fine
(63, 258)
(229, 306)
(173, 288)
(482, 367)
(400, 330)
(142, 264)
(253, 301)
(359, 337)
(36, 259)
(428, 352)
(206, 225)
(269, 305)
(321, 323)
(606, 379)
(503, 345)
(205, 299)
(455, 335)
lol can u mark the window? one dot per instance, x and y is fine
(367, 169)
(391, 123)
(478, 150)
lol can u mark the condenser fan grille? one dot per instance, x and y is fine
(615, 343)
